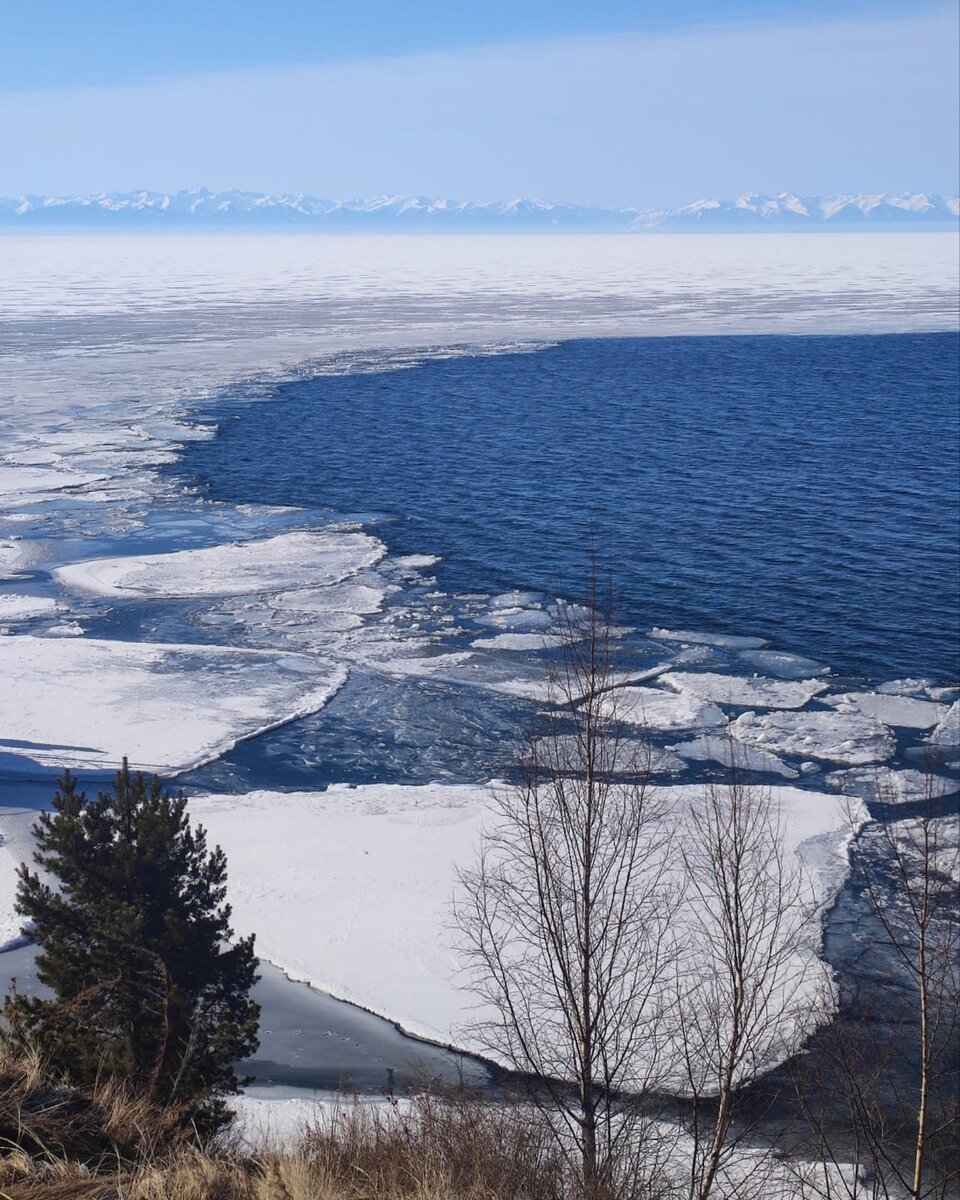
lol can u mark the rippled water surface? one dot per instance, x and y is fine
(803, 489)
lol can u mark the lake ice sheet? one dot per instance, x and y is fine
(110, 347)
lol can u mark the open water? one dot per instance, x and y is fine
(804, 489)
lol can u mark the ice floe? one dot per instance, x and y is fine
(736, 755)
(518, 620)
(947, 731)
(724, 640)
(744, 691)
(662, 711)
(905, 687)
(85, 703)
(893, 708)
(350, 889)
(15, 555)
(852, 738)
(784, 666)
(892, 786)
(326, 556)
(15, 607)
(27, 485)
(518, 641)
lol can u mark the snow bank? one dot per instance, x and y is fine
(85, 703)
(280, 563)
(908, 712)
(850, 738)
(745, 691)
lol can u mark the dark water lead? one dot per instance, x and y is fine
(309, 1040)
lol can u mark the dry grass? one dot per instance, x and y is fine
(57, 1143)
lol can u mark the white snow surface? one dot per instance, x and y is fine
(907, 712)
(745, 691)
(85, 703)
(350, 889)
(851, 738)
(326, 556)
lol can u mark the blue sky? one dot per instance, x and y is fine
(610, 103)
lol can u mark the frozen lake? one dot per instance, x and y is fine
(276, 499)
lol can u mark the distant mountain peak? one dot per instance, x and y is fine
(242, 210)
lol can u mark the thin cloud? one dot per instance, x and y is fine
(636, 119)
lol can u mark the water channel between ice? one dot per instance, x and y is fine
(313, 1042)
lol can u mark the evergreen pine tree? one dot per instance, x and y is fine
(130, 915)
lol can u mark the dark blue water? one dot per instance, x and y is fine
(802, 489)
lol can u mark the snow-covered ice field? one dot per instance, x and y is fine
(350, 889)
(137, 619)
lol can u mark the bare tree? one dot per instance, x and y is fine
(749, 983)
(883, 1085)
(567, 920)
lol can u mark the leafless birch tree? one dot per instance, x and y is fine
(567, 919)
(749, 984)
(887, 1085)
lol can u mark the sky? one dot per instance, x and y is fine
(618, 102)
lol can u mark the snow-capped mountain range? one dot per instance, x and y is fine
(253, 210)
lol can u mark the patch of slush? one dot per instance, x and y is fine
(750, 759)
(279, 563)
(947, 731)
(906, 712)
(724, 640)
(851, 738)
(745, 692)
(664, 712)
(85, 703)
(351, 889)
(21, 608)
